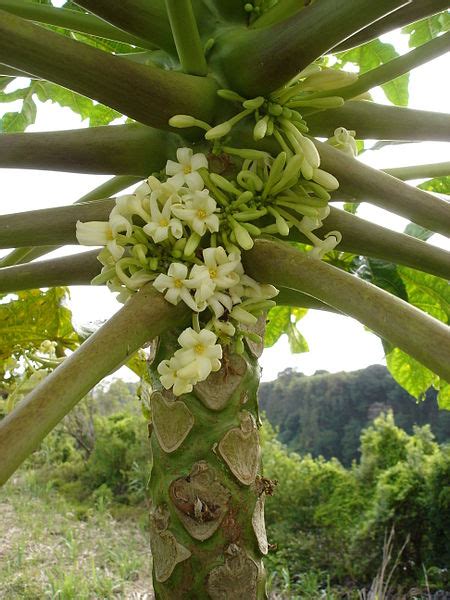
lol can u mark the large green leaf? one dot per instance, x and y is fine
(97, 114)
(381, 273)
(32, 317)
(425, 30)
(432, 295)
(370, 56)
(283, 320)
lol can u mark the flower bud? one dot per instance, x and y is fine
(260, 128)
(230, 95)
(243, 238)
(328, 181)
(254, 103)
(218, 131)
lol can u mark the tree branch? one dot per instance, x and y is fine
(147, 20)
(367, 239)
(420, 171)
(51, 226)
(76, 269)
(368, 184)
(414, 11)
(187, 39)
(116, 149)
(258, 61)
(392, 69)
(379, 122)
(143, 92)
(143, 317)
(71, 19)
(29, 253)
(423, 337)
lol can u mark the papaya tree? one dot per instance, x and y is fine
(232, 225)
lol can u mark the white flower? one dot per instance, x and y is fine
(129, 205)
(98, 233)
(177, 286)
(218, 302)
(219, 271)
(119, 224)
(169, 377)
(199, 354)
(185, 170)
(260, 291)
(198, 211)
(161, 222)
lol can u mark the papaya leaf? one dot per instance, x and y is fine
(425, 30)
(370, 56)
(418, 232)
(439, 185)
(283, 320)
(32, 317)
(381, 273)
(432, 295)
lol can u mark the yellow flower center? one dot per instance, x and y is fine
(213, 273)
(164, 222)
(178, 283)
(199, 348)
(187, 169)
(201, 214)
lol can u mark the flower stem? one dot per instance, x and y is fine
(143, 92)
(147, 20)
(416, 333)
(187, 39)
(73, 20)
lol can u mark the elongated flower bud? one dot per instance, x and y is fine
(329, 79)
(328, 181)
(218, 131)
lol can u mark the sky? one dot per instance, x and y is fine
(336, 343)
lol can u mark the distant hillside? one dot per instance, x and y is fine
(323, 414)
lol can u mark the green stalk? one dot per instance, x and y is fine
(132, 150)
(379, 122)
(57, 225)
(77, 269)
(71, 19)
(187, 39)
(143, 92)
(143, 317)
(54, 226)
(420, 171)
(206, 488)
(279, 12)
(367, 239)
(392, 69)
(109, 188)
(259, 61)
(146, 20)
(416, 333)
(414, 11)
(368, 184)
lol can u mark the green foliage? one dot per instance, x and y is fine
(383, 274)
(370, 56)
(283, 320)
(32, 316)
(423, 31)
(15, 121)
(324, 414)
(432, 295)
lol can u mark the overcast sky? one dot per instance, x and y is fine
(336, 342)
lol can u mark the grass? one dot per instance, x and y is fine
(51, 549)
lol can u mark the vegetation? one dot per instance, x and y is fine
(324, 414)
(327, 524)
(219, 103)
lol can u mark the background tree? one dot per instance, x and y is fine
(231, 69)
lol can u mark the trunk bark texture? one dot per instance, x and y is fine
(207, 493)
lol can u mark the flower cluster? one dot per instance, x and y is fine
(184, 230)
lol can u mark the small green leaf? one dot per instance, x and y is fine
(410, 374)
(425, 30)
(418, 232)
(383, 274)
(283, 320)
(439, 185)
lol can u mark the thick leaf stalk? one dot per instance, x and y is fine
(207, 493)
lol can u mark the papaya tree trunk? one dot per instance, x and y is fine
(207, 493)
